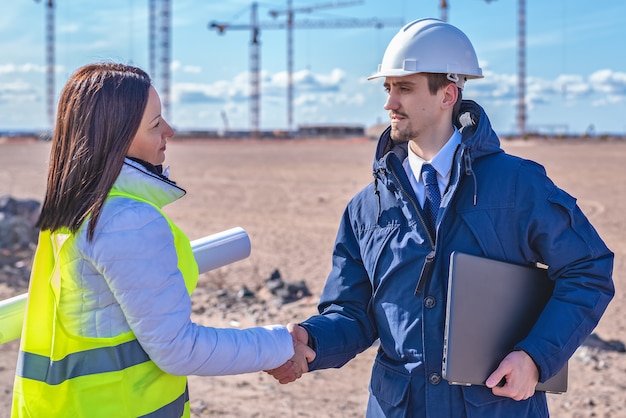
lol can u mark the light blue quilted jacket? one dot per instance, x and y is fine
(128, 280)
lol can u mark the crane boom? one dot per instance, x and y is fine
(309, 9)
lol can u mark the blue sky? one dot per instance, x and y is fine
(576, 60)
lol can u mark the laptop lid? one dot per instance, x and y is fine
(492, 305)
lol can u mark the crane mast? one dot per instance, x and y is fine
(521, 60)
(255, 60)
(521, 68)
(50, 61)
(159, 48)
(290, 12)
(152, 19)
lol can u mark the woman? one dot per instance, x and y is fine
(107, 329)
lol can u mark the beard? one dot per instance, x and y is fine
(402, 135)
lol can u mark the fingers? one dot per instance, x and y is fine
(516, 377)
(287, 373)
(498, 377)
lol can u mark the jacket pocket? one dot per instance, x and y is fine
(388, 385)
(481, 403)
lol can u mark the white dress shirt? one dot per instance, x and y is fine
(442, 162)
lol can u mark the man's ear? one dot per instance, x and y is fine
(450, 96)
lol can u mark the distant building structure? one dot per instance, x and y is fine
(330, 131)
(375, 131)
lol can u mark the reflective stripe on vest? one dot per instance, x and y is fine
(60, 374)
(94, 361)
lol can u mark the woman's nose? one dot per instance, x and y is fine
(169, 131)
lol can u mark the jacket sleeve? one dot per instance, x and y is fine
(581, 265)
(135, 253)
(343, 328)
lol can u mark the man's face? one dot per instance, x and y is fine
(413, 110)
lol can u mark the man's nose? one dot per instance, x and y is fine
(392, 103)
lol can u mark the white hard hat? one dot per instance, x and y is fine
(430, 46)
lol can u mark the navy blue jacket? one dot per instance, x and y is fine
(389, 276)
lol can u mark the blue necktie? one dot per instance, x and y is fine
(433, 198)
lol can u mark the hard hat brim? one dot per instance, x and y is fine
(391, 73)
(403, 73)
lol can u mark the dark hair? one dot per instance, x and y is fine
(437, 81)
(99, 113)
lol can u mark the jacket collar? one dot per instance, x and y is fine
(138, 181)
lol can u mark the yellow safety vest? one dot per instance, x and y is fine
(64, 375)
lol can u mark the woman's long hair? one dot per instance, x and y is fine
(99, 113)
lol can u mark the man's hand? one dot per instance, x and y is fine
(520, 376)
(299, 363)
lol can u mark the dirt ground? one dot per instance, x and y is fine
(289, 196)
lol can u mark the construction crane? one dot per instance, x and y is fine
(290, 11)
(50, 58)
(255, 27)
(159, 48)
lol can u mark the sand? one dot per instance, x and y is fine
(289, 196)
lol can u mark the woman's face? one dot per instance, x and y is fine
(151, 138)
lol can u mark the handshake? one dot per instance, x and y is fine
(293, 368)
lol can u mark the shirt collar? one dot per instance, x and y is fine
(442, 161)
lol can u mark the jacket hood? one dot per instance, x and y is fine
(477, 135)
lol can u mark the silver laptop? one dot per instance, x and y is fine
(492, 306)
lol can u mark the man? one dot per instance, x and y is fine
(390, 265)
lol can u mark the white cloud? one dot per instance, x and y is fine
(609, 100)
(572, 86)
(272, 85)
(18, 92)
(23, 68)
(608, 81)
(176, 66)
(568, 88)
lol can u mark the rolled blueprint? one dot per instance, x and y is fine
(11, 317)
(210, 252)
(220, 249)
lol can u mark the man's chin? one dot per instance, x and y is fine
(397, 135)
